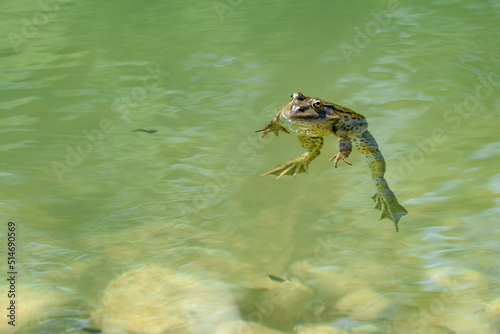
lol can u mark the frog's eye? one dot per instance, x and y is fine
(317, 104)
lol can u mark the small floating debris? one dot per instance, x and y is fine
(144, 130)
(278, 279)
(92, 330)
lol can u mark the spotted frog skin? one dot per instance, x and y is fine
(315, 118)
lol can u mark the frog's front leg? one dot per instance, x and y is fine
(345, 148)
(298, 165)
(273, 126)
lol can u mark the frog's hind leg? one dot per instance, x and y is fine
(384, 198)
(298, 165)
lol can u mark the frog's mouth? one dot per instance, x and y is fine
(303, 121)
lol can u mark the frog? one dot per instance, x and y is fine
(314, 118)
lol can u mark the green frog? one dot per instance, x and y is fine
(315, 118)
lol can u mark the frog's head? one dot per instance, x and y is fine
(305, 109)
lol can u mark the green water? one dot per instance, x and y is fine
(91, 199)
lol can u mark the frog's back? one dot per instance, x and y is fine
(350, 121)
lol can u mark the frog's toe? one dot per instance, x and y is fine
(280, 170)
(265, 130)
(384, 213)
(273, 171)
(339, 156)
(272, 127)
(288, 168)
(300, 169)
(294, 169)
(378, 202)
(381, 204)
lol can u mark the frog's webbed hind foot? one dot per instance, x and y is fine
(292, 167)
(389, 207)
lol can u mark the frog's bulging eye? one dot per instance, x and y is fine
(317, 104)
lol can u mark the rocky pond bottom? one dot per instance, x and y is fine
(154, 299)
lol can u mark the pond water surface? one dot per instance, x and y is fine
(110, 221)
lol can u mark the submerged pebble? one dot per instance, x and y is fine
(242, 327)
(493, 309)
(328, 283)
(456, 278)
(493, 312)
(320, 330)
(156, 300)
(283, 306)
(363, 304)
(343, 290)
